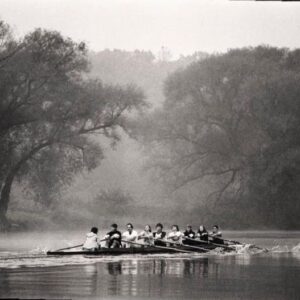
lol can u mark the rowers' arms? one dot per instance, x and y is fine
(217, 234)
(198, 235)
(140, 236)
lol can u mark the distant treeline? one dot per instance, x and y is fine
(143, 68)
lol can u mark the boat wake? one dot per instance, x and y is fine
(286, 249)
(37, 257)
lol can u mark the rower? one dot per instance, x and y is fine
(129, 235)
(202, 234)
(216, 235)
(175, 235)
(91, 243)
(147, 236)
(159, 235)
(113, 238)
(189, 234)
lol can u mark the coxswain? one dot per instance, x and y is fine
(114, 237)
(146, 235)
(159, 235)
(130, 235)
(216, 235)
(91, 243)
(202, 234)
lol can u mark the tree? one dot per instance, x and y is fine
(49, 113)
(228, 128)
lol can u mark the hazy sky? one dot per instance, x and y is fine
(183, 26)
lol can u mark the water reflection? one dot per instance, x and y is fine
(159, 267)
(151, 277)
(114, 268)
(225, 278)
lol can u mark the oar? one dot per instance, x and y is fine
(72, 247)
(230, 241)
(159, 247)
(221, 246)
(211, 243)
(233, 242)
(188, 246)
(238, 243)
(67, 248)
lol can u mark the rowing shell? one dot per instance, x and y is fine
(135, 250)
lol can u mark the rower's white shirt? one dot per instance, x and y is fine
(130, 236)
(175, 236)
(147, 237)
(91, 241)
(216, 234)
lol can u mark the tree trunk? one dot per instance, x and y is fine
(6, 188)
(4, 200)
(4, 223)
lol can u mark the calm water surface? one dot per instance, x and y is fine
(244, 275)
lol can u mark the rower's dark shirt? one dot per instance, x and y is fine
(217, 238)
(111, 233)
(159, 236)
(203, 235)
(190, 234)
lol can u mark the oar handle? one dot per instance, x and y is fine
(230, 241)
(187, 238)
(188, 246)
(211, 243)
(133, 243)
(160, 247)
(69, 247)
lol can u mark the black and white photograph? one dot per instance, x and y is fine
(150, 149)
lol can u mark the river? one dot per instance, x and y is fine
(26, 272)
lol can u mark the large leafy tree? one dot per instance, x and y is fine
(49, 113)
(229, 129)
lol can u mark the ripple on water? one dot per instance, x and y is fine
(39, 258)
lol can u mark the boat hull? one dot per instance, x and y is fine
(133, 250)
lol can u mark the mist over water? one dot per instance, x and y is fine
(19, 250)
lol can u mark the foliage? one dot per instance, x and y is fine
(229, 129)
(49, 112)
